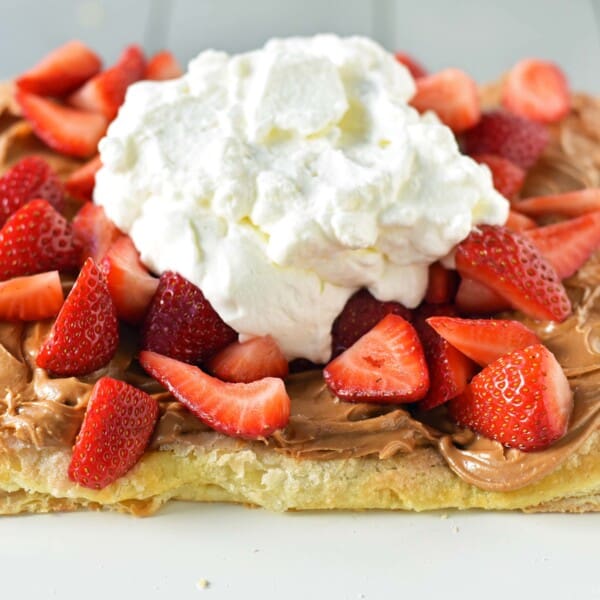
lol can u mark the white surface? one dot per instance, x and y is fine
(252, 554)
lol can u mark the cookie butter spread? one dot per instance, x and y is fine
(280, 181)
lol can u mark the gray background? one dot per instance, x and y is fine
(484, 37)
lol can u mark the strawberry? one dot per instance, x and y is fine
(484, 340)
(105, 92)
(361, 313)
(66, 130)
(85, 335)
(569, 244)
(61, 71)
(567, 204)
(80, 183)
(243, 362)
(94, 231)
(518, 222)
(182, 324)
(521, 400)
(37, 239)
(538, 90)
(30, 178)
(442, 284)
(474, 298)
(386, 364)
(129, 283)
(513, 267)
(246, 410)
(116, 429)
(508, 178)
(31, 298)
(515, 138)
(414, 67)
(163, 65)
(453, 95)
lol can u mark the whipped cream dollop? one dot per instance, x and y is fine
(282, 180)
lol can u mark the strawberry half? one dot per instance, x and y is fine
(474, 298)
(518, 222)
(31, 298)
(522, 400)
(81, 182)
(116, 429)
(415, 68)
(85, 335)
(568, 204)
(94, 231)
(508, 178)
(442, 284)
(386, 365)
(246, 410)
(510, 265)
(162, 66)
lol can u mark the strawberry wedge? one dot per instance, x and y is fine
(80, 183)
(31, 298)
(568, 204)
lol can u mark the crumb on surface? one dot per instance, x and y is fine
(444, 516)
(202, 584)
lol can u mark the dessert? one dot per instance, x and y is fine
(293, 290)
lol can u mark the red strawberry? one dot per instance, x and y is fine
(243, 362)
(116, 429)
(567, 204)
(512, 137)
(538, 90)
(508, 178)
(80, 183)
(61, 71)
(386, 364)
(442, 285)
(94, 231)
(569, 244)
(522, 400)
(129, 283)
(361, 313)
(163, 65)
(85, 335)
(474, 298)
(247, 410)
(414, 67)
(66, 130)
(31, 298)
(453, 95)
(37, 239)
(518, 222)
(484, 340)
(512, 266)
(106, 91)
(182, 324)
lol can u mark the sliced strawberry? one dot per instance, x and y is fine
(243, 362)
(453, 95)
(162, 66)
(513, 267)
(31, 298)
(515, 138)
(182, 324)
(61, 71)
(568, 204)
(247, 410)
(85, 335)
(538, 90)
(518, 222)
(415, 68)
(385, 365)
(66, 130)
(29, 179)
(474, 298)
(522, 400)
(94, 231)
(361, 313)
(106, 91)
(80, 183)
(442, 284)
(508, 178)
(116, 429)
(37, 239)
(129, 283)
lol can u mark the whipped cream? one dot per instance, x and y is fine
(282, 180)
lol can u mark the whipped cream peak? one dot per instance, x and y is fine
(282, 180)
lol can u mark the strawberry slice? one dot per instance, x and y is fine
(31, 298)
(569, 244)
(182, 324)
(66, 130)
(474, 298)
(106, 91)
(442, 284)
(513, 267)
(246, 410)
(37, 239)
(567, 204)
(129, 283)
(80, 183)
(508, 178)
(94, 231)
(538, 90)
(243, 362)
(415, 68)
(61, 71)
(518, 222)
(85, 335)
(162, 66)
(522, 400)
(386, 365)
(484, 340)
(116, 429)
(29, 179)
(453, 95)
